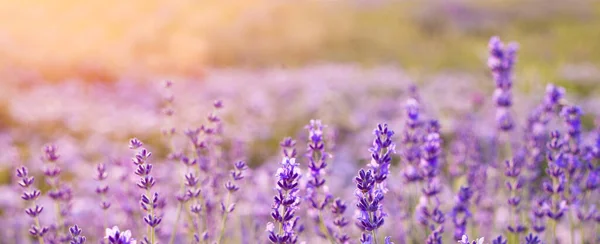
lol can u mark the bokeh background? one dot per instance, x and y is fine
(85, 73)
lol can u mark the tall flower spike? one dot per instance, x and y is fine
(31, 194)
(317, 192)
(460, 212)
(555, 207)
(102, 190)
(236, 174)
(411, 140)
(146, 182)
(501, 61)
(338, 208)
(381, 154)
(371, 184)
(431, 216)
(286, 200)
(59, 193)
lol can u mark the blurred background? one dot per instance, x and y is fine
(105, 40)
(90, 70)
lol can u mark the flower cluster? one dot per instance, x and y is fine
(31, 194)
(149, 202)
(501, 62)
(286, 201)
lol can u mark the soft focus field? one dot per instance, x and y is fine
(88, 76)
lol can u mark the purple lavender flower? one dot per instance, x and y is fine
(369, 202)
(555, 208)
(237, 174)
(59, 192)
(76, 237)
(431, 216)
(381, 154)
(532, 239)
(371, 184)
(102, 189)
(514, 185)
(572, 117)
(115, 236)
(538, 223)
(499, 240)
(411, 140)
(460, 212)
(286, 201)
(465, 240)
(501, 62)
(31, 194)
(148, 202)
(338, 207)
(317, 193)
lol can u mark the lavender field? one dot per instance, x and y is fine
(309, 122)
(364, 155)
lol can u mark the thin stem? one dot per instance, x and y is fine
(59, 220)
(324, 228)
(224, 220)
(37, 223)
(582, 233)
(179, 209)
(151, 212)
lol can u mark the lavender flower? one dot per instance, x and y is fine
(317, 193)
(338, 207)
(76, 236)
(501, 62)
(237, 174)
(59, 193)
(102, 189)
(465, 240)
(115, 236)
(369, 202)
(555, 208)
(411, 142)
(371, 184)
(286, 201)
(499, 240)
(428, 215)
(148, 202)
(381, 154)
(31, 194)
(514, 185)
(460, 212)
(532, 239)
(538, 223)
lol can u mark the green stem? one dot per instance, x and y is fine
(374, 234)
(151, 212)
(324, 228)
(224, 220)
(59, 220)
(37, 223)
(582, 233)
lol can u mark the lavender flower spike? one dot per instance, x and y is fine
(465, 240)
(286, 201)
(149, 201)
(316, 189)
(31, 194)
(501, 62)
(76, 236)
(115, 236)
